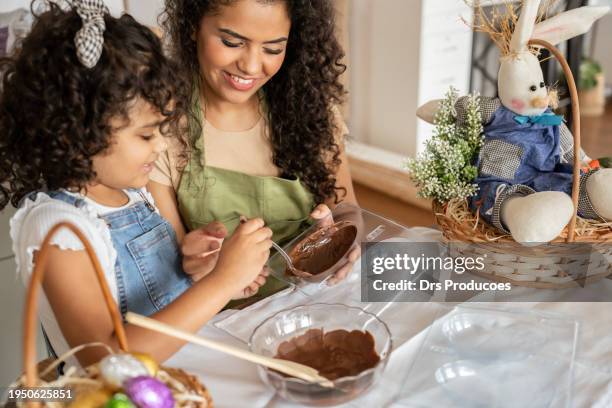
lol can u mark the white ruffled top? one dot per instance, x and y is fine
(32, 222)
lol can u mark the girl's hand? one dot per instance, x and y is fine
(200, 249)
(244, 254)
(322, 212)
(253, 288)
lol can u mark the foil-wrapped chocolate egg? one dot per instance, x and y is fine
(91, 399)
(119, 400)
(148, 392)
(148, 361)
(117, 368)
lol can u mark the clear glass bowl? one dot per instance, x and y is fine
(293, 322)
(531, 383)
(488, 335)
(345, 217)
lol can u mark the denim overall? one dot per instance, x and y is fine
(148, 268)
(516, 154)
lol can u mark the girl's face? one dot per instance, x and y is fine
(241, 46)
(130, 158)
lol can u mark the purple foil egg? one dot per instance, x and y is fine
(148, 392)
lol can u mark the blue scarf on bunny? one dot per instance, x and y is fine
(517, 151)
(547, 119)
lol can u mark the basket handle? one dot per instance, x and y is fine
(29, 329)
(575, 129)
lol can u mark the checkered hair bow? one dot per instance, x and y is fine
(89, 40)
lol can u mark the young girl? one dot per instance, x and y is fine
(84, 108)
(269, 139)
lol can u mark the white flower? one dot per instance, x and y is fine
(439, 172)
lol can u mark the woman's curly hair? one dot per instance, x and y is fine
(55, 113)
(299, 98)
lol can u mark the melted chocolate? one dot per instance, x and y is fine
(335, 354)
(322, 249)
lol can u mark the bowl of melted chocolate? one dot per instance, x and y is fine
(347, 345)
(322, 252)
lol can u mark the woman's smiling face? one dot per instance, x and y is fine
(241, 46)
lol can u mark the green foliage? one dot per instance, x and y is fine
(588, 74)
(445, 169)
(605, 162)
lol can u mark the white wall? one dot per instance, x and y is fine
(602, 33)
(384, 76)
(603, 49)
(115, 6)
(404, 53)
(145, 11)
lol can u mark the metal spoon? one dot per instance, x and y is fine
(280, 250)
(285, 256)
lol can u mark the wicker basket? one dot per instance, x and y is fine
(542, 266)
(188, 391)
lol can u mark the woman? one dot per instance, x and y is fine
(266, 138)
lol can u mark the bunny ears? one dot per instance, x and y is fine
(512, 33)
(568, 25)
(524, 26)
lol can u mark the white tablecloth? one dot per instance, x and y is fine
(234, 383)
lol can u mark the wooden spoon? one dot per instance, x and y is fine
(284, 366)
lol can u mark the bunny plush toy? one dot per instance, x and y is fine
(525, 164)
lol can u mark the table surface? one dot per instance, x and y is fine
(236, 383)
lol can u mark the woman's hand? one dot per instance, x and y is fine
(323, 214)
(200, 249)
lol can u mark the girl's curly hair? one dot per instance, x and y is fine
(55, 113)
(299, 98)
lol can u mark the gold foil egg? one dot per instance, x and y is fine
(92, 399)
(148, 361)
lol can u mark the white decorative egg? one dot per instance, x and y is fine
(117, 368)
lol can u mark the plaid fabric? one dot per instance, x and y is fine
(503, 194)
(89, 40)
(585, 207)
(488, 106)
(567, 145)
(499, 159)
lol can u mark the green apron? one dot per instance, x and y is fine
(207, 194)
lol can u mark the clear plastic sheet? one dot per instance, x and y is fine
(492, 357)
